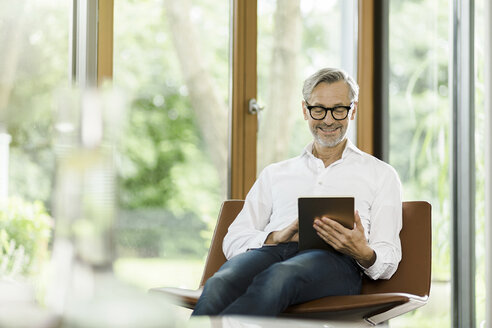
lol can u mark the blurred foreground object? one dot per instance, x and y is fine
(4, 164)
(83, 291)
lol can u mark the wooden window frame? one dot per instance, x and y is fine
(243, 126)
(365, 76)
(105, 41)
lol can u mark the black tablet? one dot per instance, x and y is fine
(340, 209)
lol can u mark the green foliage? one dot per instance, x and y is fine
(154, 144)
(480, 169)
(419, 113)
(168, 187)
(169, 190)
(25, 230)
(154, 232)
(40, 67)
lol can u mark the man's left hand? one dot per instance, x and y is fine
(347, 241)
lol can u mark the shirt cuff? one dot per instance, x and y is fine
(374, 271)
(258, 241)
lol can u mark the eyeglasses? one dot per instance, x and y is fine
(338, 113)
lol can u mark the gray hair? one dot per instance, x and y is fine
(330, 75)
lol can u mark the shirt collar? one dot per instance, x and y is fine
(349, 147)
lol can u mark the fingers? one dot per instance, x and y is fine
(293, 227)
(357, 221)
(333, 224)
(334, 234)
(327, 230)
(288, 233)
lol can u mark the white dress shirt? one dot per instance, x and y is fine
(271, 204)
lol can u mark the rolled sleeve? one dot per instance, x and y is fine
(385, 265)
(386, 223)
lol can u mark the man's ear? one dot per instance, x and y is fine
(354, 110)
(304, 110)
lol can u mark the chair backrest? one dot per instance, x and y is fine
(228, 212)
(414, 271)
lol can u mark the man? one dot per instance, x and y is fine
(265, 272)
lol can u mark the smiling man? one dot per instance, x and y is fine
(265, 271)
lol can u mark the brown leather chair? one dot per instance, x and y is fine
(379, 301)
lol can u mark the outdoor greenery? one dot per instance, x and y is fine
(420, 114)
(25, 231)
(480, 151)
(420, 119)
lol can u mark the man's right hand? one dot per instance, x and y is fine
(288, 234)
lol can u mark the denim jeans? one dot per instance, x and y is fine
(265, 281)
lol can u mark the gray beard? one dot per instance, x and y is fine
(329, 143)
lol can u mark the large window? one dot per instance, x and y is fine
(172, 62)
(419, 132)
(34, 60)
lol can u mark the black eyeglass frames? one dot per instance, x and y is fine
(338, 113)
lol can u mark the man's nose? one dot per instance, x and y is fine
(328, 118)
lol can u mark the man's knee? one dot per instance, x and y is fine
(282, 276)
(218, 282)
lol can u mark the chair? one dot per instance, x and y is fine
(379, 301)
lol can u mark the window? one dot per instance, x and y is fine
(34, 62)
(419, 127)
(172, 61)
(292, 45)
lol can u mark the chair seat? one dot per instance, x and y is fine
(371, 302)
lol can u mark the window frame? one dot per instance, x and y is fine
(463, 165)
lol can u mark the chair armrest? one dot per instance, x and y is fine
(413, 303)
(374, 308)
(349, 302)
(185, 297)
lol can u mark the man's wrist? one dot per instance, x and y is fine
(368, 259)
(270, 238)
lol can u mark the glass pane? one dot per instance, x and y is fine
(420, 118)
(480, 145)
(172, 60)
(296, 38)
(33, 64)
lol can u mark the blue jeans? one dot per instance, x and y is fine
(265, 281)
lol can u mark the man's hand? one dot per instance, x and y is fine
(351, 242)
(289, 233)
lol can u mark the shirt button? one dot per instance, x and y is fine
(320, 183)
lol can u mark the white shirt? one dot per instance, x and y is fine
(271, 204)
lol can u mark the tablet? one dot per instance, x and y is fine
(340, 209)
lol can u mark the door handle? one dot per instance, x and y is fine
(253, 107)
